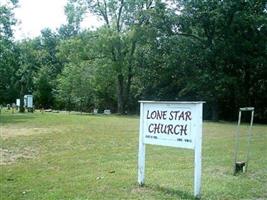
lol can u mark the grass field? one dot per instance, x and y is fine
(62, 156)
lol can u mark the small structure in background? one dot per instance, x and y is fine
(95, 111)
(107, 112)
(242, 166)
(28, 102)
(17, 103)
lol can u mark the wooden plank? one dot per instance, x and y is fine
(141, 153)
(198, 152)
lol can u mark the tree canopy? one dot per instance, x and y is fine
(214, 51)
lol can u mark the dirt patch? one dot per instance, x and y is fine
(12, 156)
(140, 189)
(7, 132)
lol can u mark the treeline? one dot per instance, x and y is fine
(214, 51)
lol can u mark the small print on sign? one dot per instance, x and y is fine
(168, 125)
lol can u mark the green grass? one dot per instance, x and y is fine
(62, 156)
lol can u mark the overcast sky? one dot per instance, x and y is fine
(35, 15)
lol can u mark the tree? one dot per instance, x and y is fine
(39, 67)
(29, 63)
(118, 39)
(228, 32)
(50, 67)
(8, 53)
(74, 14)
(83, 82)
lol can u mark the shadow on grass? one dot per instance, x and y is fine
(171, 192)
(15, 118)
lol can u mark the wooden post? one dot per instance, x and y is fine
(198, 150)
(141, 154)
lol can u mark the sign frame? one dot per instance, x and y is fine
(196, 108)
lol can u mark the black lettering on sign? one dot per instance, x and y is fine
(180, 115)
(167, 129)
(188, 115)
(157, 114)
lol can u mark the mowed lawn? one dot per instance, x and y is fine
(71, 156)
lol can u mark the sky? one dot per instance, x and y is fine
(35, 15)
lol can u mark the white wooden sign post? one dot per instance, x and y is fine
(174, 124)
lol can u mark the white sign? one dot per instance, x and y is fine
(18, 102)
(169, 124)
(107, 112)
(29, 101)
(174, 124)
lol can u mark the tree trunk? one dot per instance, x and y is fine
(21, 106)
(120, 105)
(129, 77)
(128, 88)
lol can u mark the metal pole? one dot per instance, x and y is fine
(237, 141)
(249, 135)
(249, 138)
